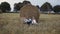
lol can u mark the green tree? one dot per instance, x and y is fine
(26, 2)
(5, 6)
(56, 8)
(37, 6)
(18, 6)
(46, 7)
(0, 9)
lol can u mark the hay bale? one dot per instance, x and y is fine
(29, 11)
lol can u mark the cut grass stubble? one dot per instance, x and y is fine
(10, 24)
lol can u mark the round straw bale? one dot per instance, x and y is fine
(29, 11)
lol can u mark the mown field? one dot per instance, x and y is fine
(10, 24)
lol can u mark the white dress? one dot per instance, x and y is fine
(34, 21)
(27, 20)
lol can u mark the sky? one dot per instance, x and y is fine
(34, 2)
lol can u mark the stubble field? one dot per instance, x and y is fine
(10, 24)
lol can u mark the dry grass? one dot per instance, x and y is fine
(10, 24)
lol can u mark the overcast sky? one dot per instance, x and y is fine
(34, 2)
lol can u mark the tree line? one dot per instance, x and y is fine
(5, 7)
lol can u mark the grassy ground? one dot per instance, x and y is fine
(10, 24)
